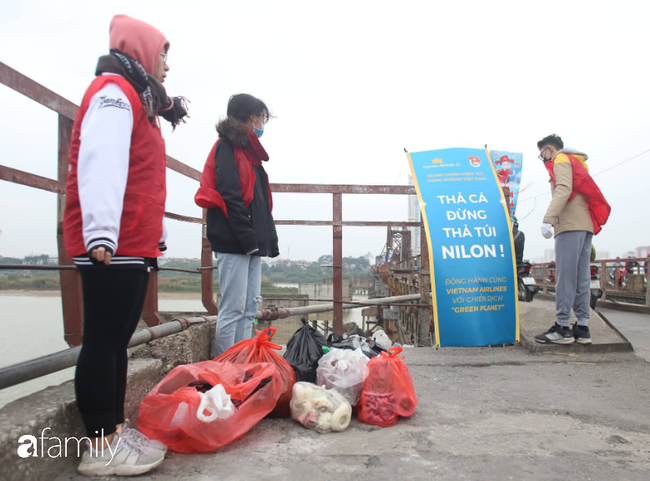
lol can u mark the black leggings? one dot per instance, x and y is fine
(113, 301)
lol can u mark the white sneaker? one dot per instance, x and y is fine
(139, 439)
(122, 458)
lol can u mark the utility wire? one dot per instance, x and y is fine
(621, 163)
(593, 175)
(532, 210)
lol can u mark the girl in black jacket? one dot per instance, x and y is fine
(235, 190)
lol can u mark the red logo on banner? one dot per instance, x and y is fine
(475, 161)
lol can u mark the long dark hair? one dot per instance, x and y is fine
(240, 109)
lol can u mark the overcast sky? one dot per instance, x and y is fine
(352, 84)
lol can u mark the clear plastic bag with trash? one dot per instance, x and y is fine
(345, 371)
(320, 409)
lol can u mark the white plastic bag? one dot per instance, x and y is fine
(382, 339)
(345, 371)
(217, 403)
(320, 409)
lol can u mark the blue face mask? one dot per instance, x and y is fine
(258, 132)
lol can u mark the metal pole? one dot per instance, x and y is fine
(35, 267)
(42, 366)
(284, 312)
(647, 289)
(150, 314)
(425, 320)
(337, 238)
(207, 275)
(71, 297)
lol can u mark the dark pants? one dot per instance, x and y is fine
(113, 301)
(572, 291)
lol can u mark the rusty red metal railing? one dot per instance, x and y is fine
(402, 274)
(623, 281)
(72, 304)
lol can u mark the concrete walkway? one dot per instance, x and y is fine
(483, 413)
(537, 317)
(635, 327)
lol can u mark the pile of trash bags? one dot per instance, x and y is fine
(319, 383)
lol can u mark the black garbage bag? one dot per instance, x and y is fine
(304, 349)
(369, 347)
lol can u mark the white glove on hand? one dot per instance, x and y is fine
(547, 230)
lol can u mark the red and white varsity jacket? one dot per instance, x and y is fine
(116, 187)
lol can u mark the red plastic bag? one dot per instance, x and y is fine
(261, 349)
(169, 412)
(388, 391)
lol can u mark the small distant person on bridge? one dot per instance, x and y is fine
(577, 211)
(519, 239)
(235, 189)
(113, 229)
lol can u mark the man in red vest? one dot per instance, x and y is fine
(578, 210)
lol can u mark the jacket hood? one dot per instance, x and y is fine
(235, 132)
(575, 153)
(137, 39)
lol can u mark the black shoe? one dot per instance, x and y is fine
(581, 334)
(556, 335)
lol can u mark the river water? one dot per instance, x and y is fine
(31, 325)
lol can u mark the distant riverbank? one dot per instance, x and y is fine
(44, 283)
(161, 295)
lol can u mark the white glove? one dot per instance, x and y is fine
(547, 230)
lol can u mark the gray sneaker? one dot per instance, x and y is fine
(139, 439)
(122, 458)
(556, 335)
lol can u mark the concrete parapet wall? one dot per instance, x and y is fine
(193, 345)
(55, 407)
(52, 414)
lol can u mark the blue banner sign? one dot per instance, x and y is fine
(471, 254)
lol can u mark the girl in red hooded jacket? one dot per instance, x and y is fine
(113, 228)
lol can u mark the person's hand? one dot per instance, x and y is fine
(101, 254)
(547, 230)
